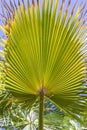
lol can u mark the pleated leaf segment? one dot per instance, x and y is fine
(44, 51)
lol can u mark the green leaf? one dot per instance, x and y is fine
(44, 50)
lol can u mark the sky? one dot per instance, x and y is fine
(72, 2)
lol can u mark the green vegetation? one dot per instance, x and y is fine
(43, 59)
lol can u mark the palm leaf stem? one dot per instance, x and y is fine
(41, 109)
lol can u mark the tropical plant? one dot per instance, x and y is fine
(18, 118)
(43, 55)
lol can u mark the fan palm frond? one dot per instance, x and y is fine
(44, 50)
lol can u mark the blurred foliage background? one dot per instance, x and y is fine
(15, 116)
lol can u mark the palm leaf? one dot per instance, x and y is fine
(45, 49)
